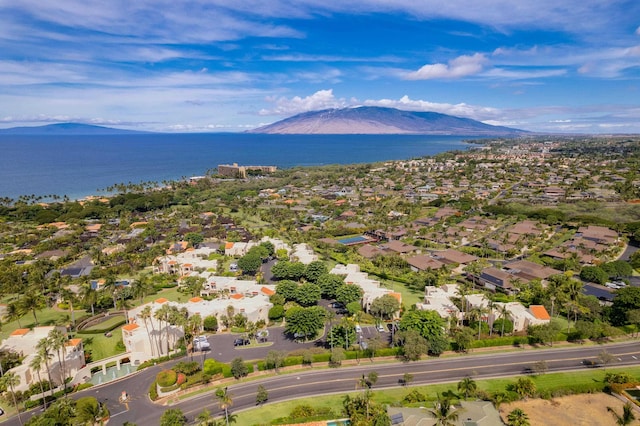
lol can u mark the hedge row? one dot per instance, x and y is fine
(153, 391)
(182, 352)
(104, 330)
(326, 357)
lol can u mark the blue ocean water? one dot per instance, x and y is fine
(79, 165)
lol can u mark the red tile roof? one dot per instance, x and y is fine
(540, 312)
(130, 327)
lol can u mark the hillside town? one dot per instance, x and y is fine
(518, 240)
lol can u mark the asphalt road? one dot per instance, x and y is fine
(315, 382)
(142, 411)
(432, 370)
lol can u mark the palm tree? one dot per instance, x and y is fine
(205, 419)
(503, 312)
(477, 313)
(163, 315)
(89, 297)
(462, 291)
(58, 342)
(36, 365)
(69, 297)
(145, 314)
(444, 412)
(43, 347)
(627, 416)
(14, 312)
(467, 386)
(141, 286)
(33, 301)
(192, 327)
(491, 305)
(225, 401)
(518, 417)
(11, 380)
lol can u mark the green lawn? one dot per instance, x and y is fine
(265, 414)
(107, 324)
(47, 316)
(409, 296)
(100, 345)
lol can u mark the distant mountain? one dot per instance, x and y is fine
(378, 120)
(66, 129)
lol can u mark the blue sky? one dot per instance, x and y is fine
(230, 65)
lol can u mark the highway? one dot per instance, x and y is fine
(310, 382)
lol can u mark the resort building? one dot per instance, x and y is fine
(24, 341)
(372, 289)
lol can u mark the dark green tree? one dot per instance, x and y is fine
(308, 294)
(315, 270)
(304, 322)
(329, 283)
(261, 395)
(250, 263)
(627, 299)
(173, 417)
(348, 293)
(287, 289)
(194, 238)
(239, 368)
(384, 307)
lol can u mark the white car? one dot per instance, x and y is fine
(380, 328)
(201, 343)
(358, 328)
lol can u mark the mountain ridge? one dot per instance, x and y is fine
(67, 129)
(382, 120)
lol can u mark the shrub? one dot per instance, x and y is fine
(622, 377)
(210, 323)
(212, 367)
(187, 368)
(276, 313)
(153, 391)
(181, 379)
(414, 396)
(302, 411)
(83, 386)
(166, 378)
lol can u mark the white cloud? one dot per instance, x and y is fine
(322, 99)
(461, 66)
(475, 112)
(638, 31)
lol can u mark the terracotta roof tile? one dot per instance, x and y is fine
(540, 312)
(130, 327)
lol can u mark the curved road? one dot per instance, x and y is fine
(315, 382)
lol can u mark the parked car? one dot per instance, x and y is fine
(380, 328)
(200, 343)
(358, 328)
(241, 342)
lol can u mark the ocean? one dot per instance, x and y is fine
(81, 165)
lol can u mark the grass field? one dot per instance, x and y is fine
(265, 414)
(100, 345)
(108, 324)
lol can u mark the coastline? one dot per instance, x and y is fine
(81, 166)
